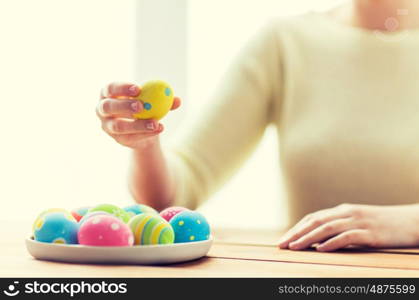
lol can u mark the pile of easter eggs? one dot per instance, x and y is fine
(107, 225)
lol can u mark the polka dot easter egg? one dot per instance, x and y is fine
(170, 212)
(190, 226)
(113, 210)
(151, 229)
(79, 213)
(137, 209)
(105, 231)
(56, 227)
(157, 98)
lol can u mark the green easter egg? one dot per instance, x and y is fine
(113, 210)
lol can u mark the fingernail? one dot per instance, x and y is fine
(133, 90)
(150, 126)
(135, 106)
(293, 246)
(320, 248)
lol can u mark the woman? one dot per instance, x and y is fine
(341, 89)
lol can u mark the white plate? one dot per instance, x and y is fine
(141, 255)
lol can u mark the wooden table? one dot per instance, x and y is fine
(235, 253)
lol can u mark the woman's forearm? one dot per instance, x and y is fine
(151, 180)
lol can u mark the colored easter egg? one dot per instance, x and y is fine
(151, 229)
(170, 212)
(56, 227)
(157, 98)
(79, 213)
(105, 231)
(137, 209)
(113, 210)
(190, 226)
(49, 211)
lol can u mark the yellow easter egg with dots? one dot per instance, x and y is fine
(157, 98)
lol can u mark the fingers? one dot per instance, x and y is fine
(120, 89)
(118, 108)
(322, 233)
(310, 223)
(126, 126)
(359, 237)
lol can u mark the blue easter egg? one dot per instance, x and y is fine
(137, 209)
(190, 226)
(56, 228)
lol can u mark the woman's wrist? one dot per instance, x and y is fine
(151, 180)
(149, 144)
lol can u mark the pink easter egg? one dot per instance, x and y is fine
(105, 231)
(170, 212)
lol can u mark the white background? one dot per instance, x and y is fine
(54, 58)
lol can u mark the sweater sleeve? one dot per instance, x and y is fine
(214, 145)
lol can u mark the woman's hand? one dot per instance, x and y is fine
(356, 225)
(116, 108)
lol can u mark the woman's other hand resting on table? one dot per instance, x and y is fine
(355, 225)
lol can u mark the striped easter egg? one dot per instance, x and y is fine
(151, 229)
